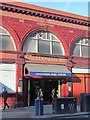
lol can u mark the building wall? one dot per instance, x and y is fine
(19, 30)
(21, 25)
(80, 85)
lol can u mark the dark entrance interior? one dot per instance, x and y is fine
(31, 87)
(46, 84)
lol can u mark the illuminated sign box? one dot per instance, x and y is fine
(49, 74)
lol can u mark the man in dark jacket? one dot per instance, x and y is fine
(4, 95)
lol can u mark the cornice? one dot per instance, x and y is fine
(43, 14)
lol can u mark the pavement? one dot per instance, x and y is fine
(28, 113)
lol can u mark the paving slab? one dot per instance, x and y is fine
(28, 113)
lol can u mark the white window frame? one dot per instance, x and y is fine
(46, 39)
(80, 46)
(7, 34)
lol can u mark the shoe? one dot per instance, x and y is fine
(3, 109)
(8, 107)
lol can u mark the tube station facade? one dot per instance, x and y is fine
(42, 48)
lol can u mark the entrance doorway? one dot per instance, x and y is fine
(49, 85)
(46, 85)
(32, 86)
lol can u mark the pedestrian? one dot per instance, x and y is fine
(54, 94)
(40, 94)
(53, 100)
(5, 95)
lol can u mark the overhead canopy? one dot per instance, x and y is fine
(47, 70)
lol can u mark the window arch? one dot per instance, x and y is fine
(43, 42)
(81, 48)
(6, 42)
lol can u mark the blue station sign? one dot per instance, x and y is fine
(49, 74)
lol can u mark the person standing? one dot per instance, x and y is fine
(54, 95)
(40, 94)
(4, 95)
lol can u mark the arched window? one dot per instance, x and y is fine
(81, 48)
(43, 42)
(6, 42)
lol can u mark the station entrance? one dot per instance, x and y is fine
(47, 77)
(32, 86)
(46, 85)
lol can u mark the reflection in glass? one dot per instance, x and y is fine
(43, 42)
(81, 48)
(44, 47)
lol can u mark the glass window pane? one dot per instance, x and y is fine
(44, 47)
(44, 35)
(33, 36)
(48, 35)
(75, 50)
(2, 31)
(1, 42)
(56, 48)
(81, 48)
(40, 35)
(89, 51)
(88, 42)
(84, 41)
(30, 45)
(6, 43)
(53, 37)
(37, 36)
(85, 51)
(42, 44)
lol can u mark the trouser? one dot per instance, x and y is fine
(5, 104)
(53, 106)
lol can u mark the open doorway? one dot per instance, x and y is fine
(47, 85)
